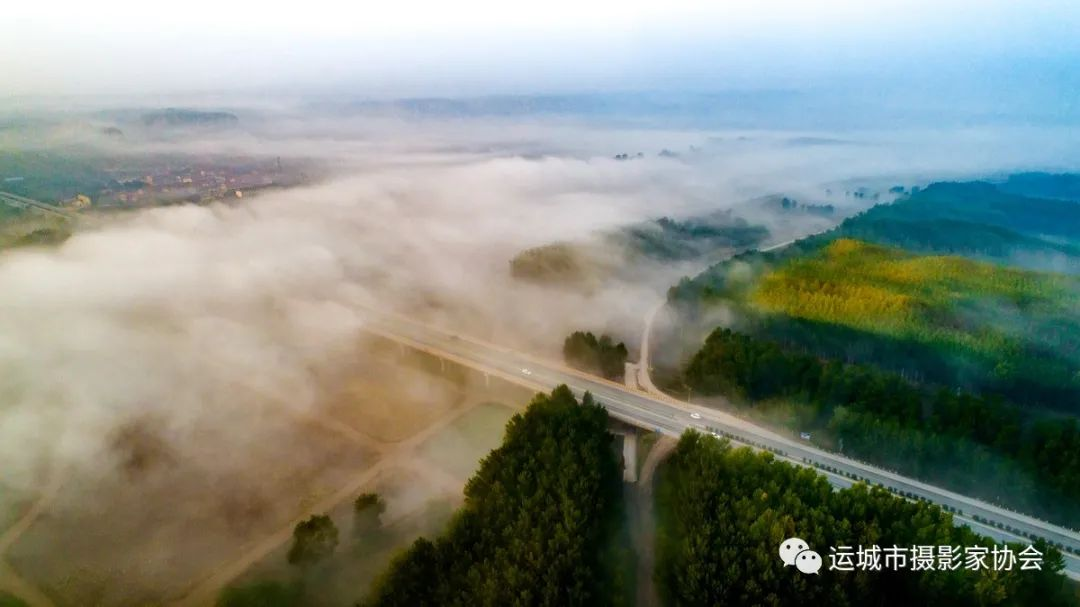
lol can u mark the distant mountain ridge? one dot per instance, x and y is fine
(177, 117)
(1064, 186)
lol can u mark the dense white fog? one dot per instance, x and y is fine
(162, 352)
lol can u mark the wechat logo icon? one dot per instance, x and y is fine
(794, 551)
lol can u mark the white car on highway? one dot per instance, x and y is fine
(695, 416)
(525, 371)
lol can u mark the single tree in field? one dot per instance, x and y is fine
(313, 541)
(367, 510)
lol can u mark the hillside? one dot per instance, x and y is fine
(946, 301)
(938, 342)
(971, 219)
(178, 117)
(986, 204)
(1064, 186)
(664, 240)
(977, 220)
(936, 310)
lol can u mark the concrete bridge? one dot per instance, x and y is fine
(628, 433)
(22, 202)
(662, 414)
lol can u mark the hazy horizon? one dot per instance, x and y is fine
(998, 59)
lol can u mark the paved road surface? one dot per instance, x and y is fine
(671, 417)
(23, 202)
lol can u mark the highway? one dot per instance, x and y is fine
(21, 202)
(671, 417)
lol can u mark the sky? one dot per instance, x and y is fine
(421, 47)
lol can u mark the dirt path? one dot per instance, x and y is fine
(12, 583)
(644, 523)
(10, 580)
(206, 591)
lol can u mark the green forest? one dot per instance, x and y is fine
(539, 525)
(584, 262)
(1065, 186)
(899, 286)
(543, 523)
(996, 451)
(1006, 331)
(938, 319)
(584, 351)
(724, 512)
(977, 220)
(938, 335)
(667, 239)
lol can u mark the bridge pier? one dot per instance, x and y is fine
(629, 435)
(630, 376)
(629, 455)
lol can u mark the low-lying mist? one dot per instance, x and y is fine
(192, 337)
